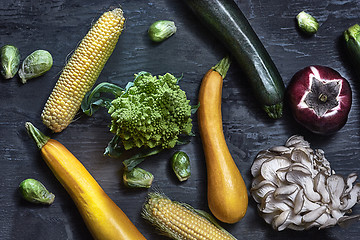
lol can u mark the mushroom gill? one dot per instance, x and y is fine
(295, 188)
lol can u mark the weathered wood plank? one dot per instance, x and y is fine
(59, 25)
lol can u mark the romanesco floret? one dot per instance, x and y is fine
(152, 112)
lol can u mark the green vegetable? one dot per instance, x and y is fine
(152, 113)
(10, 61)
(34, 191)
(93, 100)
(161, 30)
(229, 24)
(35, 65)
(180, 164)
(352, 42)
(307, 23)
(138, 178)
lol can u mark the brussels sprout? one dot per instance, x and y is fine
(138, 178)
(34, 191)
(307, 23)
(161, 30)
(35, 65)
(10, 61)
(181, 165)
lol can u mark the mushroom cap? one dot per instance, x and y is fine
(296, 188)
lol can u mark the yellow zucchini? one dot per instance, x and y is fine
(104, 219)
(227, 193)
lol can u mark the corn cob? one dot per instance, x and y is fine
(82, 70)
(180, 221)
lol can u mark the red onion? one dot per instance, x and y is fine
(320, 99)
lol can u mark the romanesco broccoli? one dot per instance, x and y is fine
(152, 112)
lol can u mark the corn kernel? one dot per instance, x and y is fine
(179, 222)
(82, 70)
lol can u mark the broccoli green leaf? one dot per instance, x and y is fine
(150, 114)
(93, 99)
(133, 158)
(139, 157)
(113, 148)
(194, 108)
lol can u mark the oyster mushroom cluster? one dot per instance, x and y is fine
(295, 188)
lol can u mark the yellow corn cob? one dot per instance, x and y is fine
(82, 70)
(180, 221)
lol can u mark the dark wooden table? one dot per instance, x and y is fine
(59, 25)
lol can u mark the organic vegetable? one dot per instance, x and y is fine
(34, 191)
(10, 61)
(153, 112)
(35, 65)
(104, 219)
(181, 221)
(138, 178)
(180, 164)
(82, 70)
(229, 24)
(227, 194)
(307, 23)
(161, 30)
(150, 114)
(320, 99)
(295, 188)
(352, 43)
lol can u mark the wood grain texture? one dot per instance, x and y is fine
(59, 25)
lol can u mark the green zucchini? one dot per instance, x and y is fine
(229, 24)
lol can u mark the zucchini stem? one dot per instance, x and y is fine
(353, 32)
(274, 111)
(39, 138)
(223, 66)
(352, 43)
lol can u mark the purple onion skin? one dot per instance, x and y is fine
(306, 116)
